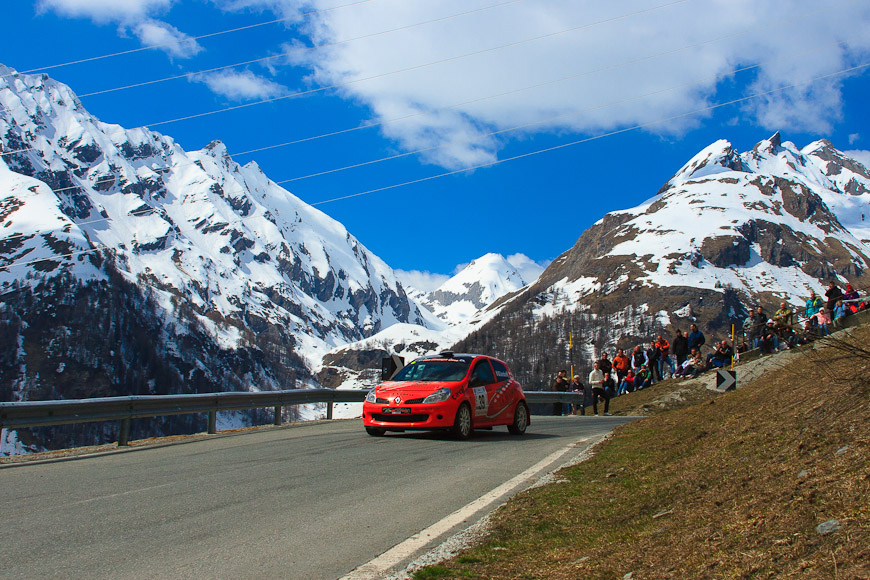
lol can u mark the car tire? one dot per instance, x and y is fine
(462, 427)
(521, 419)
(375, 431)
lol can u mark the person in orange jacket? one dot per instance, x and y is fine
(621, 364)
(665, 347)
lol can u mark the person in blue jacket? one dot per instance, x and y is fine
(695, 338)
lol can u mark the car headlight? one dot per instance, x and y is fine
(438, 396)
(371, 397)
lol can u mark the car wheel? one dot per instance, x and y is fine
(521, 419)
(462, 424)
(375, 431)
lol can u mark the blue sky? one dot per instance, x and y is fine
(457, 84)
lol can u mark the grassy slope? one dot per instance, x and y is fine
(733, 487)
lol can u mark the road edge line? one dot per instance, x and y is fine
(377, 567)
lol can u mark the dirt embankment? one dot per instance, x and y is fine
(769, 481)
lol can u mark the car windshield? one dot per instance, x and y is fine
(434, 370)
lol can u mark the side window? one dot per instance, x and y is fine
(483, 372)
(501, 372)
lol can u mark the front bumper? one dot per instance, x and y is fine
(431, 416)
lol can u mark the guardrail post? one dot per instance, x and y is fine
(329, 411)
(124, 433)
(277, 420)
(212, 422)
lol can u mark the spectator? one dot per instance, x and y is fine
(642, 379)
(560, 384)
(654, 355)
(840, 314)
(850, 300)
(814, 304)
(768, 341)
(626, 385)
(596, 381)
(823, 319)
(621, 365)
(693, 365)
(609, 385)
(578, 387)
(784, 317)
(638, 359)
(833, 293)
(721, 356)
(759, 321)
(665, 348)
(696, 338)
(604, 363)
(681, 348)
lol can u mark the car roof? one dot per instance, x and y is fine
(467, 357)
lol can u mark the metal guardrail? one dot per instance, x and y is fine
(124, 409)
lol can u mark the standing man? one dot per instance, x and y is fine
(833, 293)
(681, 348)
(560, 385)
(696, 338)
(665, 348)
(604, 363)
(621, 365)
(578, 387)
(596, 380)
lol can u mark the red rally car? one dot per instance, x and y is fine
(455, 392)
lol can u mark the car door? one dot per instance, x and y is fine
(482, 384)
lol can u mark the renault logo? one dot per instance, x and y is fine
(397, 400)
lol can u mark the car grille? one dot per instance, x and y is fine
(414, 401)
(417, 418)
(381, 401)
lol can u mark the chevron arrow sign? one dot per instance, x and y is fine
(726, 380)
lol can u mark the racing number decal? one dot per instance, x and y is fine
(481, 404)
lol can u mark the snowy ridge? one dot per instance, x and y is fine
(195, 228)
(477, 286)
(703, 229)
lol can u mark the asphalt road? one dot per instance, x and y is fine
(304, 502)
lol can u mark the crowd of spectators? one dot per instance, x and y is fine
(683, 356)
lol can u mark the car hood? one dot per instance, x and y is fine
(412, 388)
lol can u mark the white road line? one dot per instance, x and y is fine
(121, 493)
(376, 568)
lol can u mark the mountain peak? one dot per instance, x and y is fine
(719, 157)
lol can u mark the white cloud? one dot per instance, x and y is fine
(853, 138)
(133, 17)
(581, 73)
(528, 268)
(105, 10)
(240, 85)
(423, 281)
(168, 38)
(863, 157)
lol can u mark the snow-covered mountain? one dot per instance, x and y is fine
(728, 231)
(478, 285)
(215, 248)
(461, 305)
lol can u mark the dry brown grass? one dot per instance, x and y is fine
(734, 487)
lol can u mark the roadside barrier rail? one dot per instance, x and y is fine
(124, 409)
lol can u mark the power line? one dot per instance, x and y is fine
(536, 86)
(714, 77)
(371, 125)
(525, 155)
(588, 139)
(295, 51)
(561, 116)
(415, 67)
(193, 38)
